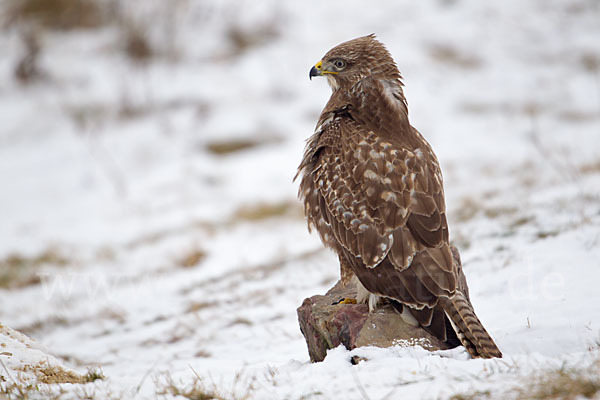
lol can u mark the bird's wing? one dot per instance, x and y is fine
(378, 191)
(381, 196)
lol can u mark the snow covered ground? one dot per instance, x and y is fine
(149, 226)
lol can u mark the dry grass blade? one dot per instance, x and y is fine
(195, 391)
(17, 270)
(262, 211)
(231, 146)
(59, 14)
(15, 385)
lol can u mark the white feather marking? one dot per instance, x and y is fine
(407, 317)
(413, 197)
(333, 83)
(370, 174)
(375, 154)
(403, 212)
(393, 93)
(388, 196)
(373, 300)
(326, 122)
(364, 296)
(389, 167)
(461, 336)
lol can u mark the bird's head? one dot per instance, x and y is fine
(351, 61)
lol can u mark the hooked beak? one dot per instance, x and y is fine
(316, 70)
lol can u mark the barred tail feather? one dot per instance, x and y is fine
(469, 329)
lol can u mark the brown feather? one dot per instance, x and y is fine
(470, 332)
(373, 189)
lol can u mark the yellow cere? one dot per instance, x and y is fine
(319, 66)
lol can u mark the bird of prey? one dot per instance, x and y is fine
(372, 187)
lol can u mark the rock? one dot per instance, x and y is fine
(326, 325)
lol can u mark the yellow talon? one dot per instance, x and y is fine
(346, 301)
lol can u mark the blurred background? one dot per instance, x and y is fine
(147, 150)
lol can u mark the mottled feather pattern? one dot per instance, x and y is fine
(373, 189)
(469, 329)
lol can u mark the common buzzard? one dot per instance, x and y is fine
(372, 187)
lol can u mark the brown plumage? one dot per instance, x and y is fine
(373, 189)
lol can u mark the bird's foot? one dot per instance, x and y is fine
(345, 300)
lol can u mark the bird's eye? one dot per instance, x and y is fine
(339, 64)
